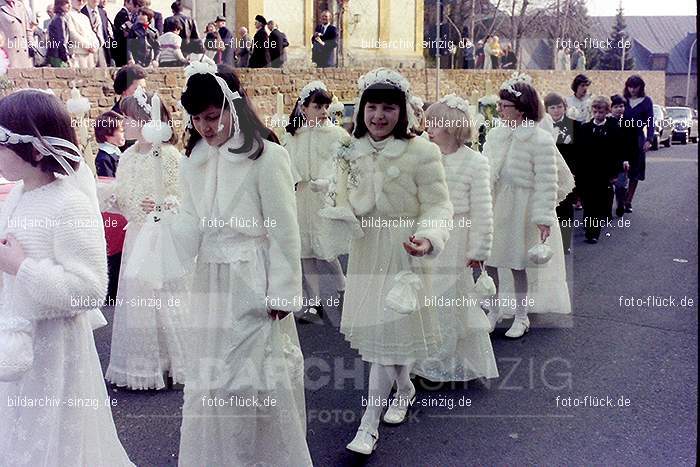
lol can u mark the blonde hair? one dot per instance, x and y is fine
(600, 102)
(460, 126)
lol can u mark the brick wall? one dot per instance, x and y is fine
(262, 85)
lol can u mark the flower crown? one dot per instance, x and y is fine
(385, 76)
(516, 78)
(455, 102)
(142, 99)
(307, 90)
(417, 102)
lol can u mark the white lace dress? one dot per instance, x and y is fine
(148, 323)
(58, 413)
(465, 352)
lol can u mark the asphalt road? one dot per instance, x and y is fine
(639, 357)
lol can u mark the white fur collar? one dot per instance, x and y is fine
(393, 149)
(202, 151)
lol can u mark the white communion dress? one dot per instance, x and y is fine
(529, 178)
(393, 189)
(312, 153)
(466, 351)
(244, 395)
(147, 337)
(58, 413)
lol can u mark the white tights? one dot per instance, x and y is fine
(381, 380)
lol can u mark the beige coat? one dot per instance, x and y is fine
(14, 25)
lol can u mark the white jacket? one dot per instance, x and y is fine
(81, 37)
(405, 179)
(531, 155)
(469, 184)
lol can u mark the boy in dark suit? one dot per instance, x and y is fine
(599, 164)
(628, 145)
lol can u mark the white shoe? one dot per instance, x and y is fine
(396, 413)
(365, 441)
(519, 327)
(494, 318)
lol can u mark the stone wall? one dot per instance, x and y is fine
(262, 85)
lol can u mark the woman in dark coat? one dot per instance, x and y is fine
(260, 56)
(639, 114)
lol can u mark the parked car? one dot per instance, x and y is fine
(662, 128)
(685, 127)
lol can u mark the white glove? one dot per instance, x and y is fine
(320, 185)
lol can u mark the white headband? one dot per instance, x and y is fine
(455, 102)
(516, 78)
(46, 145)
(206, 66)
(391, 78)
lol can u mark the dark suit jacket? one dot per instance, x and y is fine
(600, 156)
(278, 42)
(58, 35)
(324, 55)
(227, 37)
(569, 140)
(106, 164)
(260, 58)
(107, 34)
(119, 52)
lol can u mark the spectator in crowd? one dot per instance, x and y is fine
(38, 53)
(15, 25)
(509, 61)
(260, 55)
(488, 51)
(143, 40)
(578, 59)
(213, 45)
(278, 42)
(50, 14)
(227, 38)
(241, 53)
(57, 52)
(479, 55)
(101, 26)
(324, 42)
(82, 40)
(191, 43)
(171, 46)
(563, 59)
(157, 22)
(468, 57)
(122, 27)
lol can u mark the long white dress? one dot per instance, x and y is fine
(312, 153)
(64, 277)
(148, 323)
(528, 178)
(394, 189)
(466, 351)
(244, 395)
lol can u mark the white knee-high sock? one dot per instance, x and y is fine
(381, 379)
(312, 286)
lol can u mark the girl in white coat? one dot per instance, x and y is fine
(244, 395)
(54, 274)
(393, 185)
(148, 329)
(466, 352)
(311, 140)
(527, 176)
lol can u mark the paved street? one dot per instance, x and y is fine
(642, 357)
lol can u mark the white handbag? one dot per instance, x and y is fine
(16, 348)
(403, 296)
(540, 253)
(484, 286)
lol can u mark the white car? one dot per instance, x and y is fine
(685, 127)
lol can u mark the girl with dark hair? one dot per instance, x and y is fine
(639, 113)
(579, 103)
(392, 185)
(147, 340)
(311, 142)
(528, 179)
(238, 221)
(53, 280)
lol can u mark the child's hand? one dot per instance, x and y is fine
(148, 205)
(277, 314)
(544, 231)
(418, 246)
(472, 263)
(626, 166)
(11, 255)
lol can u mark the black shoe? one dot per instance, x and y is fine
(619, 212)
(628, 208)
(591, 241)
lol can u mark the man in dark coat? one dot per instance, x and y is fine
(122, 27)
(191, 43)
(227, 38)
(278, 42)
(260, 56)
(324, 42)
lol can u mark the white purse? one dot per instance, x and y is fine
(484, 286)
(16, 348)
(540, 253)
(403, 296)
